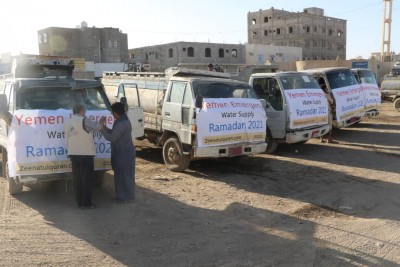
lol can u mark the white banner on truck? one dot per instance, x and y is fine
(307, 107)
(230, 120)
(41, 145)
(349, 102)
(372, 96)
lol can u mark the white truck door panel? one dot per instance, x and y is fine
(135, 116)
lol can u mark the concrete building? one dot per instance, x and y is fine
(100, 45)
(190, 54)
(321, 37)
(257, 54)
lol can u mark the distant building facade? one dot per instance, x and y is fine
(258, 54)
(321, 37)
(191, 55)
(100, 45)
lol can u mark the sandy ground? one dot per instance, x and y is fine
(307, 205)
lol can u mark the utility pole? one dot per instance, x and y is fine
(386, 30)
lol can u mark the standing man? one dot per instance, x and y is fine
(123, 153)
(81, 150)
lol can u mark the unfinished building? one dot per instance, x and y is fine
(320, 37)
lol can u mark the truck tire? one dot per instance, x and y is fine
(173, 155)
(396, 104)
(272, 144)
(12, 186)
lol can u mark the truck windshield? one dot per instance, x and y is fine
(366, 76)
(341, 78)
(53, 98)
(212, 89)
(296, 81)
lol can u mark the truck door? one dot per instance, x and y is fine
(128, 93)
(276, 114)
(178, 109)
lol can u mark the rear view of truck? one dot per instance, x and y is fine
(34, 104)
(193, 114)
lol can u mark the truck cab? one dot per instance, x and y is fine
(35, 101)
(372, 95)
(348, 107)
(296, 107)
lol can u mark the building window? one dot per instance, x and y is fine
(190, 52)
(254, 34)
(39, 38)
(110, 44)
(115, 44)
(265, 19)
(339, 33)
(265, 33)
(330, 32)
(290, 29)
(221, 52)
(44, 37)
(253, 22)
(278, 31)
(207, 52)
(170, 53)
(307, 29)
(234, 53)
(184, 49)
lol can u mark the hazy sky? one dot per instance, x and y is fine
(153, 22)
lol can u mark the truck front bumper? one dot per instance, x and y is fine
(232, 150)
(304, 135)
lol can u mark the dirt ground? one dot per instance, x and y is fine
(312, 204)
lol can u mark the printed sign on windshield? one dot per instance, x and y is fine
(37, 143)
(230, 120)
(307, 107)
(349, 102)
(372, 96)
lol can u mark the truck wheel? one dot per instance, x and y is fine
(12, 186)
(173, 155)
(272, 144)
(396, 104)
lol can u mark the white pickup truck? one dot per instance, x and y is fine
(192, 114)
(35, 101)
(297, 109)
(348, 95)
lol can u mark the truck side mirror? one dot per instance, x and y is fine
(199, 101)
(3, 104)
